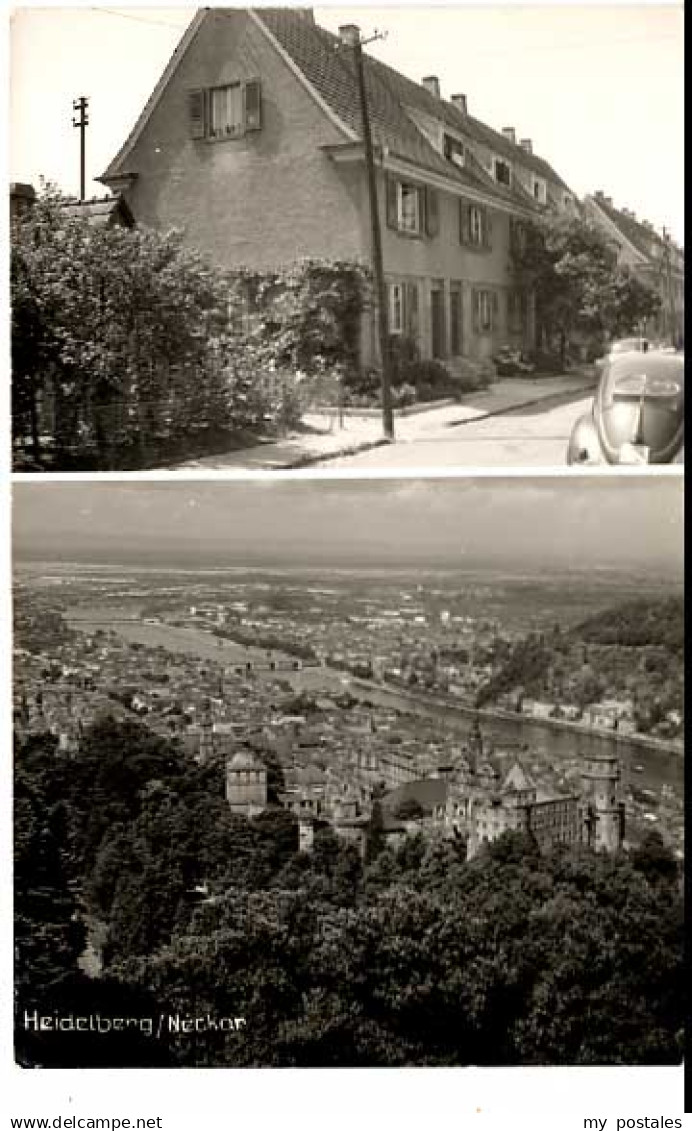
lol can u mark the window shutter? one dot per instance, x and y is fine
(411, 309)
(495, 308)
(252, 94)
(432, 212)
(392, 218)
(488, 229)
(196, 110)
(513, 241)
(476, 297)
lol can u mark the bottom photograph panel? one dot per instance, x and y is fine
(348, 773)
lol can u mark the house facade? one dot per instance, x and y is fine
(251, 143)
(652, 256)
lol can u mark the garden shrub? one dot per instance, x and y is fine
(126, 344)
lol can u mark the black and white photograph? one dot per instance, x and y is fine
(343, 645)
(295, 237)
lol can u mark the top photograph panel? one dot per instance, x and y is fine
(251, 239)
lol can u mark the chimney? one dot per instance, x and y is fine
(432, 85)
(608, 200)
(599, 195)
(459, 100)
(526, 144)
(509, 134)
(349, 34)
(22, 196)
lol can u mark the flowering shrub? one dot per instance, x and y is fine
(305, 317)
(126, 345)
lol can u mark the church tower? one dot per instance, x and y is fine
(604, 814)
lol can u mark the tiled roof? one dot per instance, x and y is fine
(505, 148)
(428, 792)
(517, 779)
(328, 67)
(633, 230)
(106, 210)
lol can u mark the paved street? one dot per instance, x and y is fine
(533, 436)
(517, 422)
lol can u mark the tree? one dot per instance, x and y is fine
(623, 303)
(111, 324)
(572, 270)
(374, 837)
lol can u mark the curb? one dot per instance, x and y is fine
(514, 407)
(312, 458)
(353, 450)
(369, 445)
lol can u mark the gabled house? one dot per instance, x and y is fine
(652, 256)
(251, 142)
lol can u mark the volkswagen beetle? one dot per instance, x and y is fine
(637, 415)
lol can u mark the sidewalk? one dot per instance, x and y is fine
(323, 439)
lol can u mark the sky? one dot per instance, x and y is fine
(555, 523)
(598, 88)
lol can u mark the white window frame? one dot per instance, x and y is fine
(501, 161)
(541, 197)
(396, 308)
(484, 299)
(477, 225)
(404, 223)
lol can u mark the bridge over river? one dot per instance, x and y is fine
(654, 763)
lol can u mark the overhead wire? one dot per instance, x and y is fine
(139, 19)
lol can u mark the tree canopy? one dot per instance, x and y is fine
(415, 956)
(573, 271)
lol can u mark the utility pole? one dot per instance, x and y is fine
(350, 37)
(81, 105)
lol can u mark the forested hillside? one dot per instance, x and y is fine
(412, 957)
(633, 652)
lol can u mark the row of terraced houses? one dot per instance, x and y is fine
(251, 142)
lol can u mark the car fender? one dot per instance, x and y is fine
(584, 449)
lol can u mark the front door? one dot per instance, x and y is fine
(437, 321)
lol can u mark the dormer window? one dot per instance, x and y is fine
(454, 150)
(503, 171)
(540, 190)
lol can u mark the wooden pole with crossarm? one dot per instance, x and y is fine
(350, 37)
(81, 105)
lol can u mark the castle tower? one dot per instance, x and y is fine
(476, 749)
(246, 784)
(603, 812)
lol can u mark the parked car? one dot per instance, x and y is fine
(637, 415)
(624, 345)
